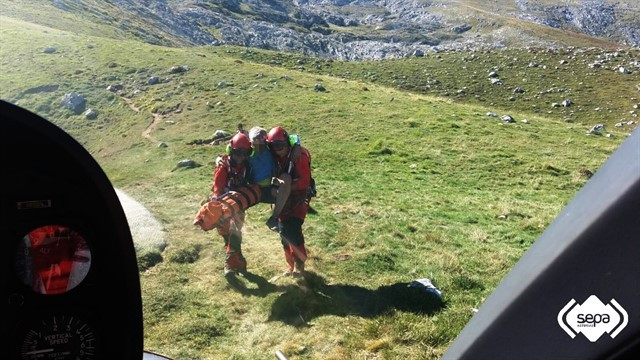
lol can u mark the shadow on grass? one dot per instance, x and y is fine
(313, 297)
(263, 289)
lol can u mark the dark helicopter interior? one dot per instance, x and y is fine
(69, 280)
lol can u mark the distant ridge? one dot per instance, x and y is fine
(357, 29)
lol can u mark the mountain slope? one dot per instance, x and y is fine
(410, 186)
(352, 30)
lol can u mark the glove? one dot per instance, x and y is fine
(220, 160)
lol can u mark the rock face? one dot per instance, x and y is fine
(400, 27)
(592, 17)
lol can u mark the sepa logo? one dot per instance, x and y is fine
(593, 318)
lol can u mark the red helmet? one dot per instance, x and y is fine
(277, 134)
(240, 141)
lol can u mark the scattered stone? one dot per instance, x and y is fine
(567, 103)
(90, 114)
(598, 109)
(524, 121)
(563, 62)
(533, 64)
(609, 135)
(636, 106)
(518, 90)
(619, 124)
(418, 53)
(153, 80)
(50, 50)
(74, 102)
(507, 119)
(496, 81)
(223, 84)
(624, 70)
(585, 172)
(493, 74)
(170, 122)
(490, 114)
(555, 105)
(115, 88)
(502, 216)
(189, 164)
(413, 166)
(220, 134)
(320, 88)
(630, 122)
(597, 129)
(595, 65)
(512, 98)
(163, 145)
(178, 69)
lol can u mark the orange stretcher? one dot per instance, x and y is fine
(230, 205)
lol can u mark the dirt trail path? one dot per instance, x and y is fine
(157, 118)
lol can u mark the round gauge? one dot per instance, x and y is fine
(59, 337)
(52, 259)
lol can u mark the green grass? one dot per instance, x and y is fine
(445, 74)
(412, 183)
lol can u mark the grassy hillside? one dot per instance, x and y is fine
(93, 17)
(410, 186)
(545, 76)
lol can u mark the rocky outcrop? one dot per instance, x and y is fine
(592, 17)
(352, 29)
(402, 27)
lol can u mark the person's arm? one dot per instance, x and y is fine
(303, 169)
(219, 180)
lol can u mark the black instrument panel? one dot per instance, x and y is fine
(69, 280)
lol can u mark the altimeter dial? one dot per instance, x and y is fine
(52, 259)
